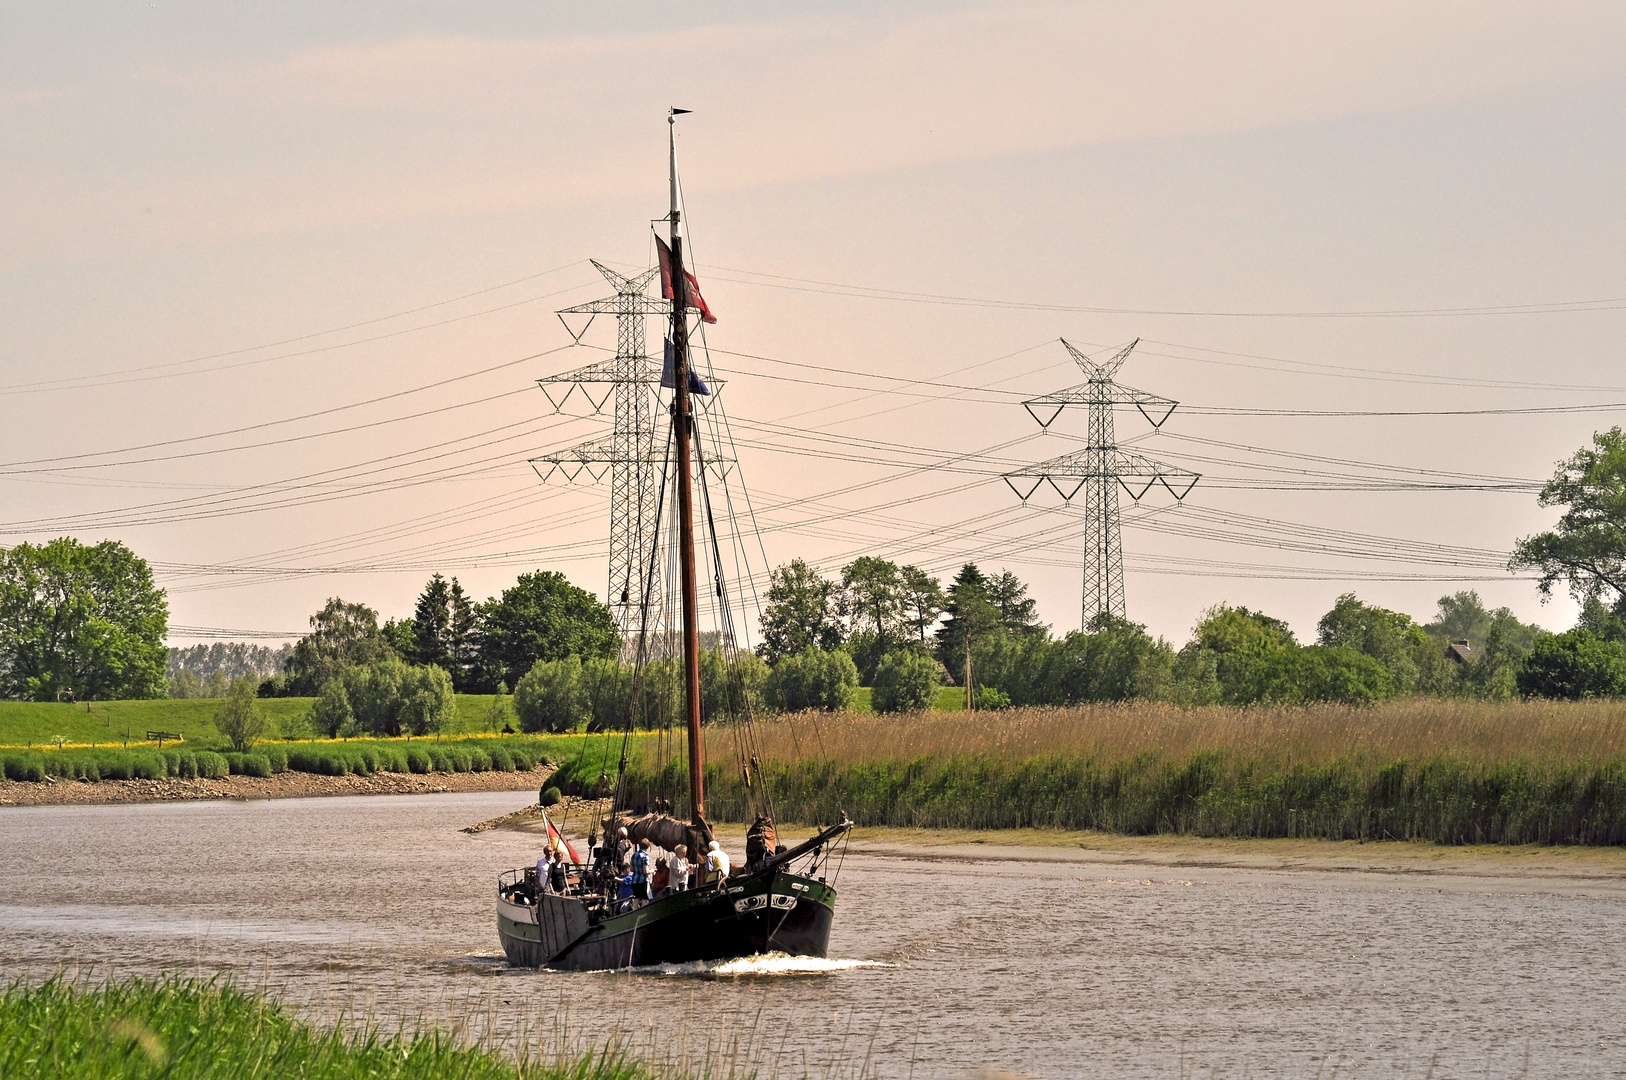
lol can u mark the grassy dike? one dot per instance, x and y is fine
(1450, 772)
(183, 1029)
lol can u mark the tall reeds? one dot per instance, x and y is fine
(1447, 771)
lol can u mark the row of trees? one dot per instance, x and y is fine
(875, 613)
(480, 646)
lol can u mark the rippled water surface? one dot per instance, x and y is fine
(379, 906)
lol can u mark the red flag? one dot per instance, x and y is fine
(695, 299)
(555, 834)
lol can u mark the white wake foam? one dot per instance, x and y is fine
(776, 963)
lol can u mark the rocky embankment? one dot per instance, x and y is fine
(287, 785)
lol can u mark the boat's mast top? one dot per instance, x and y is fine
(677, 194)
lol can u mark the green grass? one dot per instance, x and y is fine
(949, 699)
(190, 1030)
(111, 723)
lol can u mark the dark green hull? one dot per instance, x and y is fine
(749, 914)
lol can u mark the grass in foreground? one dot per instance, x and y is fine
(182, 1029)
(1452, 772)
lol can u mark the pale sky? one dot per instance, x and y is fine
(225, 217)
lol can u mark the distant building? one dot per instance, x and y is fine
(1462, 652)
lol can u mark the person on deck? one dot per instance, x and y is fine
(640, 871)
(544, 872)
(623, 852)
(560, 879)
(661, 880)
(717, 860)
(678, 868)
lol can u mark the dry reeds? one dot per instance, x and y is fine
(1441, 770)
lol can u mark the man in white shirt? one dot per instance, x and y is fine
(677, 867)
(717, 860)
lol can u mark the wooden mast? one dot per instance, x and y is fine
(683, 428)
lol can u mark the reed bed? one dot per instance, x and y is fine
(181, 1029)
(1440, 770)
(361, 757)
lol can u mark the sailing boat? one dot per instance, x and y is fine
(779, 901)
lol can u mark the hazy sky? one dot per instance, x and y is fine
(216, 220)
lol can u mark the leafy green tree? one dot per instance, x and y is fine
(1116, 660)
(731, 688)
(813, 679)
(217, 685)
(1253, 654)
(972, 617)
(542, 617)
(905, 681)
(1389, 637)
(1587, 548)
(550, 697)
(1573, 665)
(1604, 621)
(86, 619)
(185, 684)
(923, 600)
(342, 635)
(331, 710)
(872, 598)
(241, 717)
(799, 612)
(429, 704)
(377, 692)
(401, 638)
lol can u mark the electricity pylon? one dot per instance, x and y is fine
(628, 455)
(1101, 469)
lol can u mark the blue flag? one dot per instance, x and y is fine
(669, 381)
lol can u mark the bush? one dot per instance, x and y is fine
(905, 681)
(501, 759)
(551, 797)
(813, 679)
(439, 758)
(241, 717)
(248, 764)
(21, 767)
(211, 766)
(278, 759)
(989, 697)
(417, 761)
(479, 760)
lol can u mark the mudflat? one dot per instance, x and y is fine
(287, 785)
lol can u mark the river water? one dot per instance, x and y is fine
(378, 907)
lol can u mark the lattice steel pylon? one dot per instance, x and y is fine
(629, 454)
(1101, 469)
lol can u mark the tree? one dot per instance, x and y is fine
(1253, 654)
(241, 717)
(428, 705)
(905, 681)
(331, 711)
(798, 612)
(971, 616)
(813, 679)
(1115, 660)
(1388, 637)
(923, 600)
(1587, 548)
(1572, 665)
(342, 635)
(1017, 611)
(872, 597)
(500, 709)
(542, 617)
(86, 619)
(731, 687)
(443, 628)
(550, 697)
